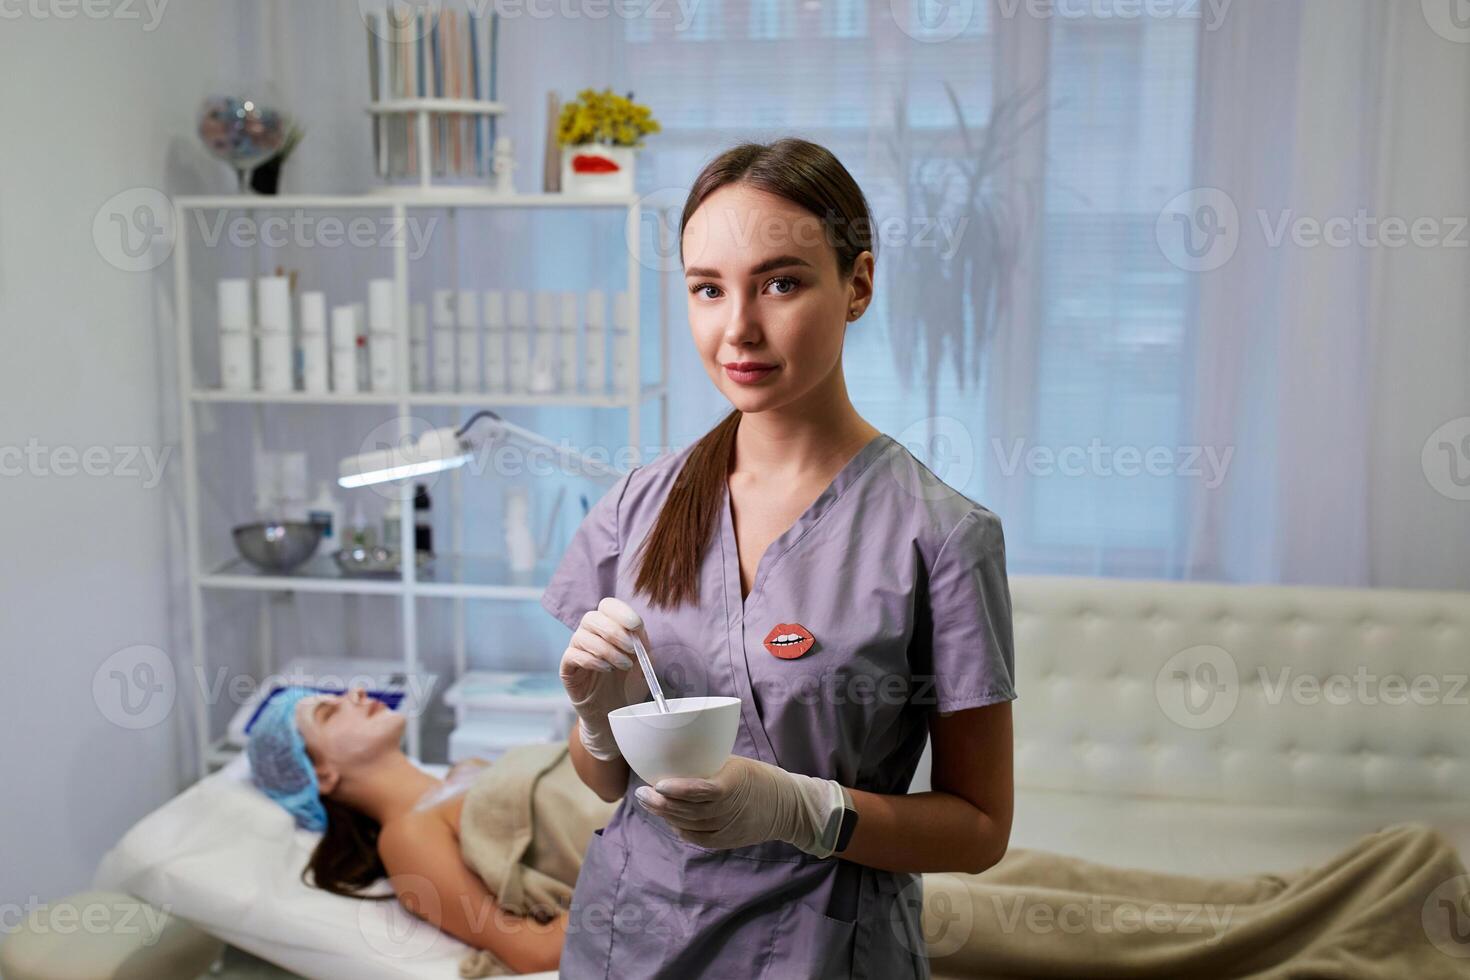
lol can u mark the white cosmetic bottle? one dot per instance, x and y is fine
(444, 352)
(418, 346)
(344, 349)
(543, 380)
(467, 315)
(314, 360)
(273, 301)
(567, 338)
(494, 359)
(595, 349)
(236, 348)
(382, 336)
(623, 381)
(518, 338)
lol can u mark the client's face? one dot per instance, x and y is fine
(348, 730)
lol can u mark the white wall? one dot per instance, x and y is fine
(92, 108)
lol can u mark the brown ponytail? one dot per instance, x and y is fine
(809, 176)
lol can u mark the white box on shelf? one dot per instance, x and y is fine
(479, 695)
(488, 739)
(494, 314)
(595, 367)
(518, 338)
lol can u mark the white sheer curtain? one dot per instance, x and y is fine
(1144, 409)
(1141, 412)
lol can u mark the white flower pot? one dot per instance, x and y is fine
(613, 179)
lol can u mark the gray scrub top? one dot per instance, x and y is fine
(885, 600)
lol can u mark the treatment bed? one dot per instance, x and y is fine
(1113, 764)
(227, 859)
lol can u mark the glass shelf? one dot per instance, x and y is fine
(446, 576)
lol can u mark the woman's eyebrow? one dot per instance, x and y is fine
(779, 262)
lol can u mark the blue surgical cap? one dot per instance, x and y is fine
(279, 762)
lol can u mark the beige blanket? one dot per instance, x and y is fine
(1394, 904)
(524, 830)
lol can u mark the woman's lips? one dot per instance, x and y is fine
(788, 640)
(748, 372)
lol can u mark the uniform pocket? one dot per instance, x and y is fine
(810, 943)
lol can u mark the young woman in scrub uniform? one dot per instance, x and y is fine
(802, 561)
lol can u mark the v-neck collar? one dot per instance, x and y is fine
(845, 478)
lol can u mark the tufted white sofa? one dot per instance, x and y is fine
(1227, 729)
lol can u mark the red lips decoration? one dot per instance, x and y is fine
(591, 163)
(789, 640)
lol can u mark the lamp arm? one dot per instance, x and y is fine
(591, 466)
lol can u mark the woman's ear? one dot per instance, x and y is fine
(327, 778)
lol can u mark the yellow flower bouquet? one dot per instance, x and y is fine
(601, 131)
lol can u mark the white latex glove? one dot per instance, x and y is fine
(600, 672)
(747, 802)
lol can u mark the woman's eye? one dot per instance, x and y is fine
(786, 279)
(702, 286)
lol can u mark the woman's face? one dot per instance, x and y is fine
(344, 731)
(767, 308)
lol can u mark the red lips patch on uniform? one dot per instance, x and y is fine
(789, 640)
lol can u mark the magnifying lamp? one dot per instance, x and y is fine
(448, 448)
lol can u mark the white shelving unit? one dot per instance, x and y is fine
(453, 576)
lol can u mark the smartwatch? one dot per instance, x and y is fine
(849, 818)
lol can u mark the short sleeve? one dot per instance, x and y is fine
(973, 650)
(589, 567)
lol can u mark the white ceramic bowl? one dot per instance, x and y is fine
(693, 739)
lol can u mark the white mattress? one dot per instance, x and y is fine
(227, 859)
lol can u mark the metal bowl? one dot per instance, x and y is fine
(277, 546)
